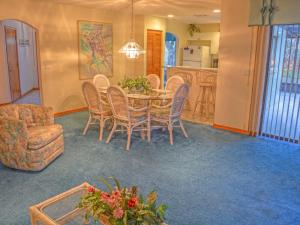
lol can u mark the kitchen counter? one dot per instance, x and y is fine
(198, 75)
(193, 68)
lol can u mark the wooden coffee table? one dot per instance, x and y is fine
(61, 209)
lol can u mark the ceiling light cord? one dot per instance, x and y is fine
(132, 19)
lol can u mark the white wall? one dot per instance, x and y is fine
(214, 37)
(180, 31)
(234, 78)
(27, 58)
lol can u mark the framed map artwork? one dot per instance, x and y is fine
(95, 49)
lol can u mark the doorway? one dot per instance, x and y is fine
(154, 52)
(281, 109)
(170, 52)
(21, 83)
(12, 62)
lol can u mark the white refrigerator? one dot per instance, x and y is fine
(196, 56)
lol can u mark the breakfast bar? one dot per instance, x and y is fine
(202, 82)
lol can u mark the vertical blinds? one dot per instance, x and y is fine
(280, 115)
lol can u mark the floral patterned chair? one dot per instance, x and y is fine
(29, 139)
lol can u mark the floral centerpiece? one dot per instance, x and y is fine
(122, 206)
(134, 85)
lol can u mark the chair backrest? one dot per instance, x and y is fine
(118, 102)
(91, 97)
(101, 81)
(154, 81)
(178, 100)
(186, 76)
(173, 83)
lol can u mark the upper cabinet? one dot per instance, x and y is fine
(272, 12)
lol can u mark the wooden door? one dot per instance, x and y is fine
(154, 43)
(12, 62)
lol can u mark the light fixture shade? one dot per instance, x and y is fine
(132, 50)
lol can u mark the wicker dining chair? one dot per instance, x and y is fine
(188, 79)
(167, 116)
(124, 115)
(173, 83)
(98, 109)
(154, 81)
(101, 81)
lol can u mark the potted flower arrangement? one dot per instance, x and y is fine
(122, 206)
(136, 85)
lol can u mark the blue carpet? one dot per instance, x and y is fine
(213, 178)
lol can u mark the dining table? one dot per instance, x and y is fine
(152, 95)
(158, 97)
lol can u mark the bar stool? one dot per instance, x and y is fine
(188, 79)
(206, 95)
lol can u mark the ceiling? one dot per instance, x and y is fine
(187, 11)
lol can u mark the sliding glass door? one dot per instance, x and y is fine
(280, 117)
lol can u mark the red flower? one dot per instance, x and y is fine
(132, 202)
(91, 189)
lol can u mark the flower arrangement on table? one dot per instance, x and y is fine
(122, 206)
(139, 84)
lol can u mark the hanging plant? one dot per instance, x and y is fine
(193, 28)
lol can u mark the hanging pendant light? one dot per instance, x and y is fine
(132, 49)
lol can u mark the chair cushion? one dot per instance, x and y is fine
(41, 136)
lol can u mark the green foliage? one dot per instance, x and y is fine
(140, 84)
(193, 28)
(134, 209)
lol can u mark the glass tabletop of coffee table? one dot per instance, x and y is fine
(61, 209)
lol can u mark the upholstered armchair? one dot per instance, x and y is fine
(29, 139)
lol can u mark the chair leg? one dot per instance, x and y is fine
(170, 128)
(149, 130)
(101, 127)
(183, 129)
(143, 133)
(128, 137)
(87, 125)
(111, 132)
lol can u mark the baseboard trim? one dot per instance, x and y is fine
(26, 93)
(232, 129)
(67, 112)
(3, 104)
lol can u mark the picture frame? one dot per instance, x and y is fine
(95, 49)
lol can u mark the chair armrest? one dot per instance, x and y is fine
(42, 115)
(13, 135)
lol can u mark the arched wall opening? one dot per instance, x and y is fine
(20, 80)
